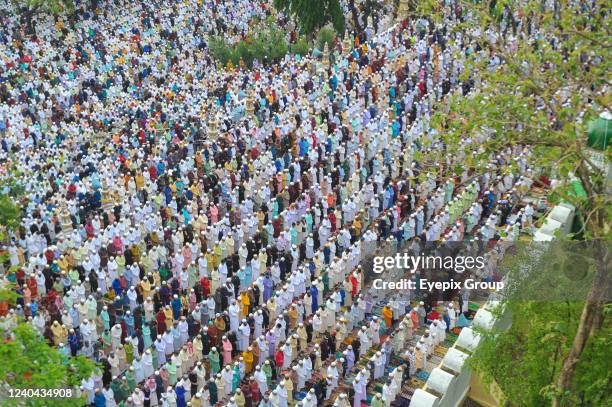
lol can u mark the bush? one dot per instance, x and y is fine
(269, 42)
(219, 50)
(325, 35)
(242, 51)
(301, 47)
(277, 45)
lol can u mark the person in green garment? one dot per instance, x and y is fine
(171, 368)
(383, 327)
(236, 378)
(123, 389)
(275, 209)
(105, 318)
(448, 189)
(146, 336)
(155, 360)
(64, 352)
(214, 360)
(377, 401)
(267, 369)
(164, 273)
(309, 221)
(325, 276)
(74, 276)
(192, 274)
(105, 338)
(129, 350)
(131, 379)
(212, 390)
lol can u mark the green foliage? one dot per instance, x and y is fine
(28, 362)
(593, 376)
(541, 97)
(546, 282)
(219, 49)
(313, 14)
(301, 46)
(268, 45)
(46, 6)
(525, 359)
(325, 35)
(336, 15)
(9, 212)
(8, 294)
(548, 94)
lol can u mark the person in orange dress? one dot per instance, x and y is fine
(387, 313)
(248, 357)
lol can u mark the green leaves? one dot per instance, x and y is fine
(325, 36)
(46, 6)
(9, 212)
(541, 96)
(311, 15)
(301, 46)
(269, 42)
(28, 362)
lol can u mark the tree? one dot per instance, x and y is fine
(29, 362)
(311, 15)
(544, 297)
(541, 95)
(9, 213)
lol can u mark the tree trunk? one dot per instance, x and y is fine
(590, 322)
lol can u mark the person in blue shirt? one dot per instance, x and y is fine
(129, 322)
(176, 307)
(180, 396)
(314, 294)
(303, 147)
(99, 399)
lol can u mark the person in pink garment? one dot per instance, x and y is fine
(227, 351)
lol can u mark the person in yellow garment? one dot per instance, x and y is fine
(293, 316)
(239, 398)
(387, 313)
(249, 358)
(169, 317)
(245, 303)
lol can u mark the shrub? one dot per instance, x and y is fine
(301, 47)
(278, 45)
(219, 50)
(269, 42)
(243, 51)
(325, 35)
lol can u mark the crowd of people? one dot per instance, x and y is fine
(202, 258)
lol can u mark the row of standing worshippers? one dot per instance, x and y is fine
(416, 357)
